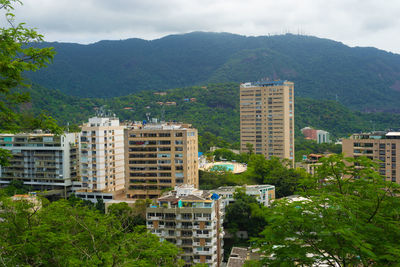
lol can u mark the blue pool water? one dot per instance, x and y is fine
(227, 167)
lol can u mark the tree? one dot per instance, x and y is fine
(351, 218)
(129, 217)
(60, 234)
(17, 55)
(275, 171)
(244, 214)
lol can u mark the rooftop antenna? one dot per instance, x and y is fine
(148, 116)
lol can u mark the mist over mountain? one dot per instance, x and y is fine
(366, 78)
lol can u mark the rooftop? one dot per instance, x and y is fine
(264, 83)
(238, 257)
(376, 135)
(187, 194)
(160, 126)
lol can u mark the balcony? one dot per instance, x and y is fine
(154, 218)
(198, 244)
(204, 252)
(206, 227)
(202, 219)
(209, 235)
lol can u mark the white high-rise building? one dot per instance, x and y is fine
(102, 156)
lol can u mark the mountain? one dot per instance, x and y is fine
(366, 79)
(213, 108)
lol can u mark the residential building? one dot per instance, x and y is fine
(310, 163)
(263, 193)
(192, 220)
(267, 118)
(43, 161)
(382, 146)
(102, 158)
(320, 136)
(159, 156)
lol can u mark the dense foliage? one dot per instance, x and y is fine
(244, 214)
(362, 78)
(62, 234)
(350, 218)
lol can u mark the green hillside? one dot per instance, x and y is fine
(214, 109)
(364, 79)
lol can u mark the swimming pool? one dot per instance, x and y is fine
(226, 167)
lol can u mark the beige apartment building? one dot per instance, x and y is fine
(41, 160)
(192, 220)
(159, 156)
(101, 158)
(267, 118)
(382, 146)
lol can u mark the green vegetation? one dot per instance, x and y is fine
(360, 78)
(245, 214)
(351, 218)
(61, 234)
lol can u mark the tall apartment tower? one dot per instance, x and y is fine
(41, 160)
(192, 220)
(159, 156)
(267, 118)
(383, 147)
(102, 155)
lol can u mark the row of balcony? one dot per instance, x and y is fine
(180, 226)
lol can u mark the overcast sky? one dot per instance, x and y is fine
(353, 22)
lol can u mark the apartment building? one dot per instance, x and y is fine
(101, 158)
(192, 220)
(267, 118)
(263, 193)
(382, 146)
(41, 160)
(159, 156)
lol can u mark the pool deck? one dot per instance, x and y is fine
(237, 167)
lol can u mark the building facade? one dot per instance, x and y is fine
(158, 157)
(267, 118)
(192, 220)
(101, 157)
(41, 160)
(381, 146)
(263, 193)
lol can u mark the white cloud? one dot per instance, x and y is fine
(354, 22)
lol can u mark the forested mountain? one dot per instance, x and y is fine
(366, 79)
(213, 108)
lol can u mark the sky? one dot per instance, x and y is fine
(354, 22)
